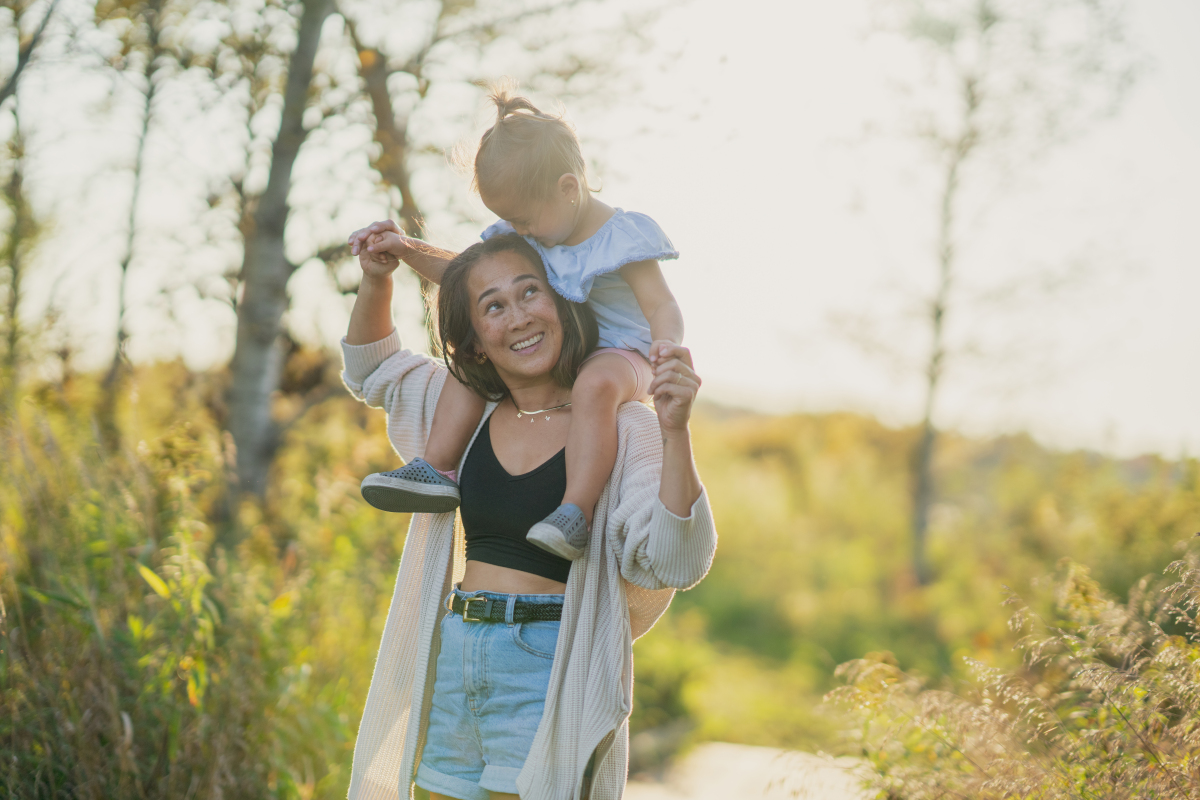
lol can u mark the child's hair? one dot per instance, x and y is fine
(525, 153)
(460, 342)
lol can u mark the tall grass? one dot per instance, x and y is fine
(157, 641)
(813, 567)
(141, 657)
(1106, 704)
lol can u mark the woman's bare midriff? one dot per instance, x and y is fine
(481, 577)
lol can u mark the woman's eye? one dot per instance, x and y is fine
(530, 290)
(492, 306)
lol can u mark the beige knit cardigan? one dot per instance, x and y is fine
(639, 554)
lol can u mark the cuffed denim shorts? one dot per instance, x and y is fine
(488, 698)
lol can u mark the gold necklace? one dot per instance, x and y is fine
(521, 412)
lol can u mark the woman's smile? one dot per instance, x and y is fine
(528, 343)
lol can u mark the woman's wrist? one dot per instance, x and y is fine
(374, 282)
(676, 432)
(680, 483)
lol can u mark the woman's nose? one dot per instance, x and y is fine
(518, 318)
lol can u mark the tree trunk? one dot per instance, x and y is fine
(259, 353)
(25, 51)
(20, 233)
(111, 388)
(392, 136)
(924, 490)
(392, 162)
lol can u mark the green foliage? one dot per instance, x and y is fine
(157, 642)
(1106, 704)
(143, 659)
(813, 564)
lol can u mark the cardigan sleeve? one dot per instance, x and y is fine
(404, 384)
(657, 549)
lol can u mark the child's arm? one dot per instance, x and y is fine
(657, 303)
(427, 260)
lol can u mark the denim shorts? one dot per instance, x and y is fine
(488, 697)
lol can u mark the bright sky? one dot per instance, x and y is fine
(788, 219)
(783, 223)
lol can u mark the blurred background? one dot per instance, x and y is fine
(939, 272)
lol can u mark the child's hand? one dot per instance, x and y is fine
(391, 243)
(375, 262)
(659, 350)
(380, 237)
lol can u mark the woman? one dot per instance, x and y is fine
(524, 684)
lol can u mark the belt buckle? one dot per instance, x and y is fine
(466, 612)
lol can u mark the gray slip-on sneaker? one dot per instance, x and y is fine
(564, 533)
(415, 488)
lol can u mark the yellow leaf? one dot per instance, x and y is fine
(193, 694)
(156, 583)
(282, 604)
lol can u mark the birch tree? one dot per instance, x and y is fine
(27, 25)
(150, 51)
(1006, 81)
(258, 358)
(29, 36)
(20, 235)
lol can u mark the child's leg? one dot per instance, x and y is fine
(607, 379)
(604, 383)
(454, 422)
(429, 485)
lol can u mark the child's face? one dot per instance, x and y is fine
(549, 221)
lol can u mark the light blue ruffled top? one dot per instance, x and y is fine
(589, 271)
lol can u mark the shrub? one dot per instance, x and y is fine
(1107, 704)
(141, 659)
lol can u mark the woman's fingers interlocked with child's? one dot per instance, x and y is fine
(378, 237)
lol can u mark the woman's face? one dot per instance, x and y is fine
(514, 317)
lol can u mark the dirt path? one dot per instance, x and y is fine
(719, 771)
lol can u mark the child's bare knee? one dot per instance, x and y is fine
(601, 386)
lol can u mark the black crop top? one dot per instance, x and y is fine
(498, 509)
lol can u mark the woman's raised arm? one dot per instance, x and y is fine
(371, 319)
(378, 371)
(674, 390)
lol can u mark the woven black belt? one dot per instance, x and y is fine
(482, 609)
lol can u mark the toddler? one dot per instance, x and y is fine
(529, 171)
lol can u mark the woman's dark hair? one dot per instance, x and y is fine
(460, 343)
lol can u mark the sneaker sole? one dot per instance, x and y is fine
(550, 539)
(408, 497)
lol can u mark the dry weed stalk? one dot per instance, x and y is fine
(1105, 706)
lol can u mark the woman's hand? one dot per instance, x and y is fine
(380, 246)
(371, 317)
(674, 387)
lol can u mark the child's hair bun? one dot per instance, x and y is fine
(508, 103)
(526, 151)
